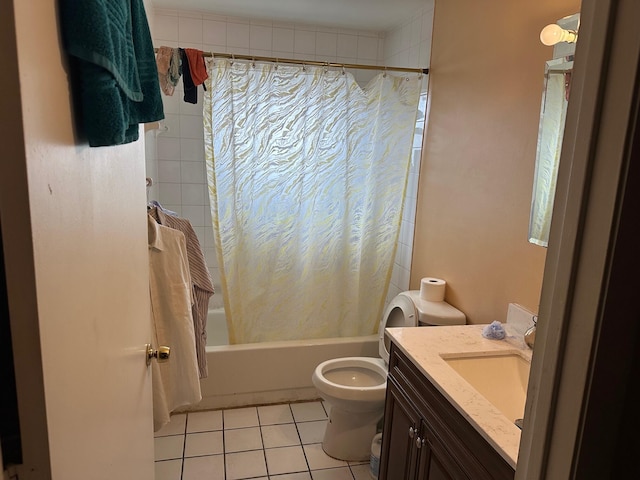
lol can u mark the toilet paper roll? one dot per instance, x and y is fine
(432, 289)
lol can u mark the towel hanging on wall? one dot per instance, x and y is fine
(114, 65)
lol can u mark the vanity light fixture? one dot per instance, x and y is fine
(554, 33)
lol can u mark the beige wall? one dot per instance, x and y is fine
(486, 74)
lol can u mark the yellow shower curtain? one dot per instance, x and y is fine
(306, 175)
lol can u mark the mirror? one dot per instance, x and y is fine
(557, 82)
(555, 98)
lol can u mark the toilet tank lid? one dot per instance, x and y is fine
(436, 313)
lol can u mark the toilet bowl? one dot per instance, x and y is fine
(355, 387)
(353, 383)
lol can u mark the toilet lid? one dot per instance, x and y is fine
(401, 312)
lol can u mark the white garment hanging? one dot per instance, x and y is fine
(175, 382)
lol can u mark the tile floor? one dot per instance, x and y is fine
(274, 442)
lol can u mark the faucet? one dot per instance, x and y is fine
(530, 334)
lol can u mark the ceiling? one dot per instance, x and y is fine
(378, 15)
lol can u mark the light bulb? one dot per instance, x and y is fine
(553, 33)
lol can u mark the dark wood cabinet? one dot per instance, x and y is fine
(425, 438)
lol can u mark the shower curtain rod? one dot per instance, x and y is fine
(255, 58)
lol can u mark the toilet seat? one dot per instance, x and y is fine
(401, 312)
(352, 378)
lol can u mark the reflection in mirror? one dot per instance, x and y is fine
(555, 97)
(552, 119)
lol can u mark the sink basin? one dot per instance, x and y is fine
(501, 378)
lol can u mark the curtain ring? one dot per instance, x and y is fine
(343, 72)
(253, 62)
(233, 58)
(384, 75)
(276, 67)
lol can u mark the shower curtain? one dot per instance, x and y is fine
(306, 174)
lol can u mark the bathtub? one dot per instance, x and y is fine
(273, 372)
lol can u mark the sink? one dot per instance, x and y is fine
(501, 378)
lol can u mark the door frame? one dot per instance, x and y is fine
(587, 281)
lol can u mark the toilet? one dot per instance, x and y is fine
(355, 387)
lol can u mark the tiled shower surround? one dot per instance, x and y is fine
(175, 156)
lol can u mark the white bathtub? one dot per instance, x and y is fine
(217, 332)
(274, 372)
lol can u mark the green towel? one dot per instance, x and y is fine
(114, 62)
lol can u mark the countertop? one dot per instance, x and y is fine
(424, 347)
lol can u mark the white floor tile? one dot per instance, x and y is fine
(175, 426)
(204, 443)
(312, 432)
(240, 417)
(341, 473)
(260, 443)
(242, 439)
(308, 411)
(275, 414)
(168, 448)
(168, 470)
(285, 460)
(200, 468)
(319, 460)
(280, 435)
(204, 421)
(292, 476)
(245, 465)
(361, 472)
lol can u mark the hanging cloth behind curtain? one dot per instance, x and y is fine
(306, 173)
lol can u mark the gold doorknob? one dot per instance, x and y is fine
(162, 354)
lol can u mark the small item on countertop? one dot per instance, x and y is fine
(494, 331)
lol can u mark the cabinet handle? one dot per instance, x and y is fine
(419, 442)
(412, 432)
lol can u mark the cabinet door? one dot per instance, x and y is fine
(401, 424)
(451, 443)
(435, 461)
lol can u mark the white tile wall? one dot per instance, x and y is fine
(409, 45)
(177, 158)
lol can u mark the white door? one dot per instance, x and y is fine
(74, 230)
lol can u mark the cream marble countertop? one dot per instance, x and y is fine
(424, 347)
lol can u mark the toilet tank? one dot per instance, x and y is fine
(436, 313)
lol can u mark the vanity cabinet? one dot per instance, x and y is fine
(425, 437)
